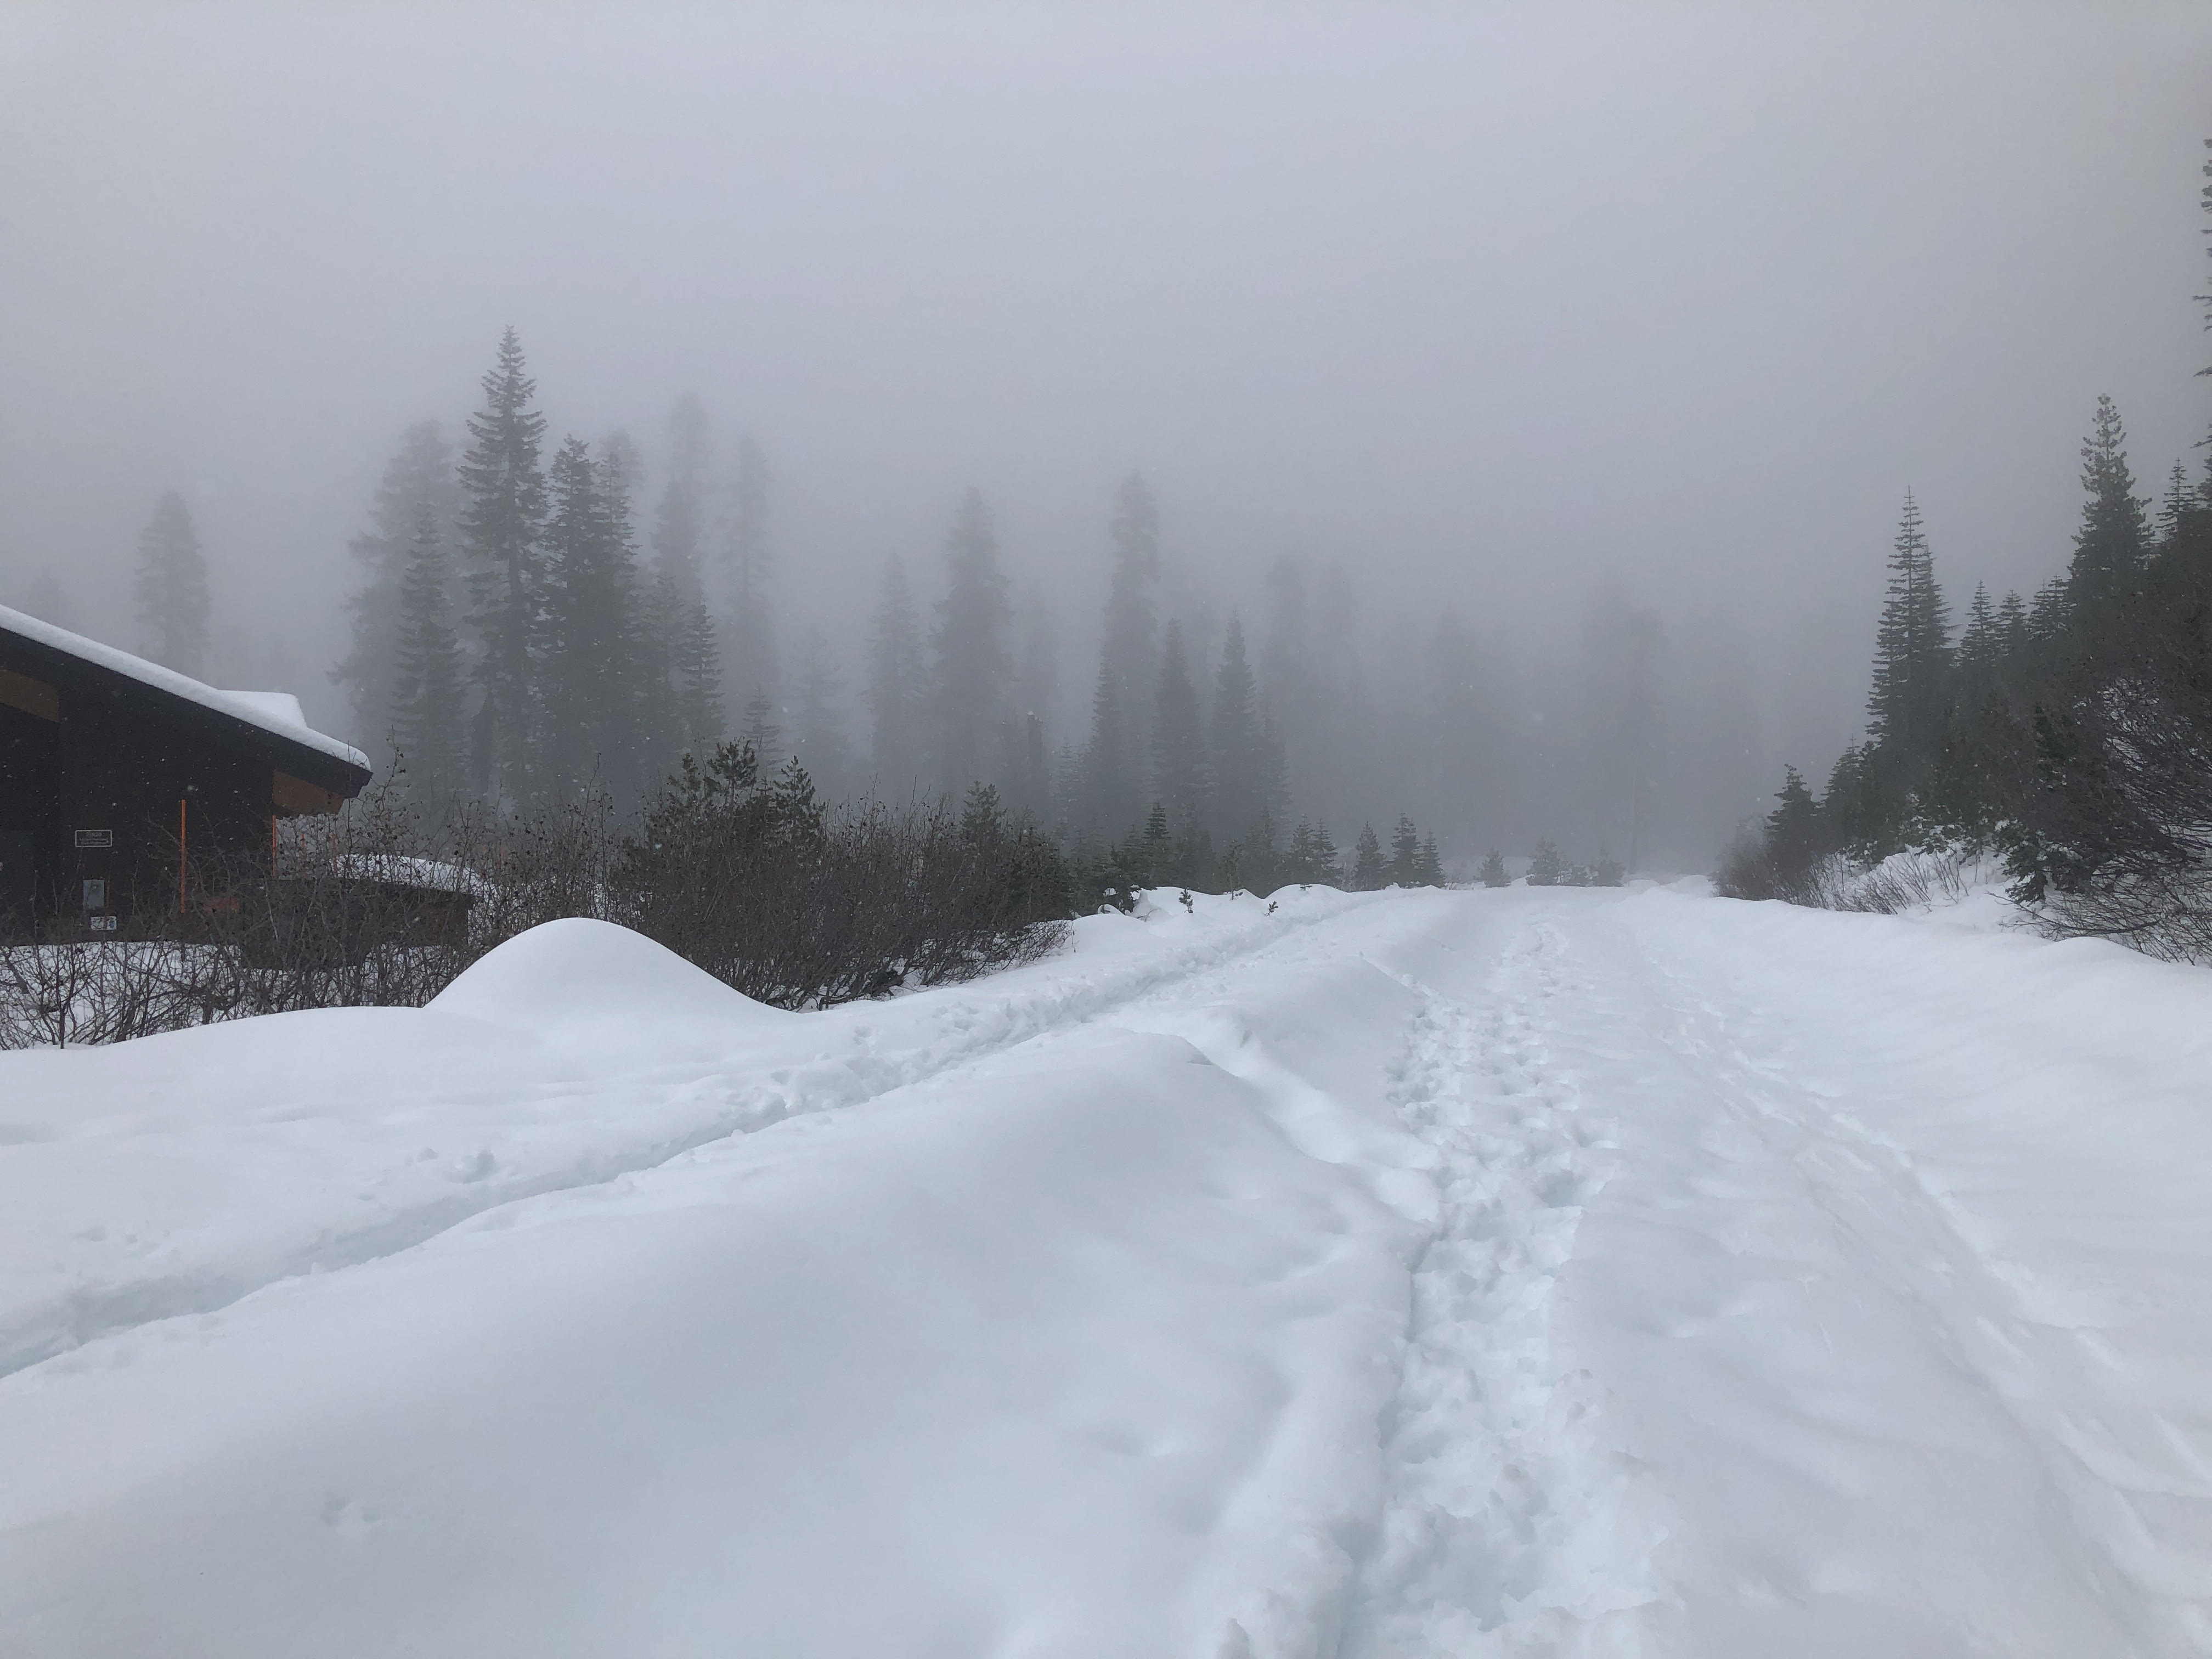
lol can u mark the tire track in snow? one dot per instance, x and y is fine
(1504, 1528)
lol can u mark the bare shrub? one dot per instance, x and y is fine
(760, 884)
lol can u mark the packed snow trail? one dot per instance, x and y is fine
(1489, 1273)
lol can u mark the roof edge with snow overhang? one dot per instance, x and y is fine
(263, 715)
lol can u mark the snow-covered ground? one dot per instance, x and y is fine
(1527, 1272)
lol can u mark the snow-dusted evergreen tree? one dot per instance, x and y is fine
(425, 715)
(1404, 868)
(1429, 867)
(2109, 547)
(1546, 868)
(1912, 653)
(972, 671)
(502, 519)
(1493, 870)
(1179, 757)
(418, 477)
(1128, 650)
(1369, 871)
(588, 625)
(895, 686)
(172, 589)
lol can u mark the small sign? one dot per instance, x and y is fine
(95, 894)
(102, 924)
(95, 838)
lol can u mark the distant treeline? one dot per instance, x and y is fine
(519, 638)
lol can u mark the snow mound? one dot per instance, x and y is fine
(583, 984)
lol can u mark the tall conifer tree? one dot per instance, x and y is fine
(1911, 664)
(424, 715)
(502, 523)
(172, 589)
(588, 625)
(973, 670)
(2109, 548)
(419, 477)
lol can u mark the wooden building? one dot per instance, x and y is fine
(112, 766)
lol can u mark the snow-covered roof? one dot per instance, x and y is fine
(275, 711)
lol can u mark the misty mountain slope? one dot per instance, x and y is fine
(1521, 1273)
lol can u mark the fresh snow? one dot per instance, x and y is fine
(1514, 1272)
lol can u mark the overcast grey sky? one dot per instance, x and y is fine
(1491, 299)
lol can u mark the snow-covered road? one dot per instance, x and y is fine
(1421, 1273)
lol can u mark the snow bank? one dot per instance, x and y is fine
(593, 987)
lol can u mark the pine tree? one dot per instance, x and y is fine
(419, 477)
(2109, 548)
(502, 523)
(1179, 758)
(1912, 668)
(2181, 499)
(425, 714)
(1404, 866)
(1981, 650)
(1323, 854)
(895, 685)
(1108, 774)
(1430, 872)
(973, 670)
(587, 626)
(1493, 870)
(699, 678)
(1546, 868)
(172, 589)
(1368, 871)
(1128, 653)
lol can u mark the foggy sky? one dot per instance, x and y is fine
(1488, 301)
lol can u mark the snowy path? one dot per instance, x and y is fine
(1419, 1274)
